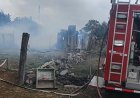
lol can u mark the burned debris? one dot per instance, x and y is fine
(62, 71)
(72, 80)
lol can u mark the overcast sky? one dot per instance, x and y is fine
(58, 14)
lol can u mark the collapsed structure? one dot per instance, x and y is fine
(68, 39)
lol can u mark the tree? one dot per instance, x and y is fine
(27, 25)
(95, 28)
(4, 18)
(96, 32)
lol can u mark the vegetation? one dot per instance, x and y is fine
(96, 31)
(21, 24)
(86, 68)
(95, 28)
(4, 18)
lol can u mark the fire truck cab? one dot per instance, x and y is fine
(122, 67)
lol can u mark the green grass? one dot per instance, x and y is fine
(36, 60)
(86, 68)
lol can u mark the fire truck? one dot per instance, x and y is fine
(122, 66)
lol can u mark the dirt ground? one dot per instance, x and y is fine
(10, 91)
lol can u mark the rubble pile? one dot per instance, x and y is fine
(72, 80)
(62, 68)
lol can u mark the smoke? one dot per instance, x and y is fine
(52, 16)
(44, 40)
(39, 36)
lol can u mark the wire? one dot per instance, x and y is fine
(3, 63)
(44, 91)
(100, 54)
(75, 93)
(86, 85)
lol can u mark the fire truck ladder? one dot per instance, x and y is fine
(118, 11)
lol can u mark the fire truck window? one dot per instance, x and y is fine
(120, 26)
(135, 44)
(137, 15)
(136, 32)
(121, 16)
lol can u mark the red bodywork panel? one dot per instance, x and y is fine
(117, 57)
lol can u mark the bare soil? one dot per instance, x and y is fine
(10, 91)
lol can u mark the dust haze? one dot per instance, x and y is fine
(51, 16)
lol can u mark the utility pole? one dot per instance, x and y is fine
(23, 55)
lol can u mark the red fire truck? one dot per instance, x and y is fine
(122, 67)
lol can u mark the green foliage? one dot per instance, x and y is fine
(86, 68)
(95, 28)
(96, 31)
(4, 18)
(25, 24)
